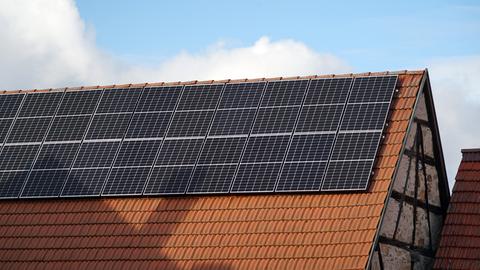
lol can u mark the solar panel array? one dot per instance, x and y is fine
(276, 136)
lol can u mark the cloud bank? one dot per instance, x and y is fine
(456, 93)
(45, 43)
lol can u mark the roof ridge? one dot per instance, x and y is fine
(196, 82)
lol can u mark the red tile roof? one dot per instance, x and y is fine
(278, 231)
(460, 239)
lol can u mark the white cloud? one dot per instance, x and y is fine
(45, 44)
(456, 94)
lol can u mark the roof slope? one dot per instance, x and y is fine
(460, 240)
(278, 231)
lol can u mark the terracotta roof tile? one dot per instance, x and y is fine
(279, 231)
(460, 238)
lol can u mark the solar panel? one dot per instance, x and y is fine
(216, 165)
(90, 169)
(85, 182)
(96, 154)
(275, 120)
(137, 153)
(18, 157)
(9, 105)
(108, 126)
(40, 104)
(79, 102)
(233, 122)
(126, 181)
(277, 136)
(200, 97)
(55, 156)
(159, 99)
(4, 127)
(148, 125)
(241, 95)
(27, 130)
(118, 100)
(45, 183)
(169, 180)
(190, 123)
(68, 128)
(11, 183)
(179, 152)
(359, 135)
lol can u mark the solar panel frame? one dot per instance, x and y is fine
(100, 94)
(274, 96)
(52, 117)
(355, 98)
(267, 100)
(8, 102)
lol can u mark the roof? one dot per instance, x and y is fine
(280, 231)
(460, 239)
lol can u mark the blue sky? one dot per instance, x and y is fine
(58, 43)
(371, 35)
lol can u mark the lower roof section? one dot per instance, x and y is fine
(276, 231)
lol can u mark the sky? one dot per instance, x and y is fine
(58, 43)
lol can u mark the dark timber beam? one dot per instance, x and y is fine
(410, 200)
(405, 246)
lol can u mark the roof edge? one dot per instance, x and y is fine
(471, 154)
(376, 238)
(182, 83)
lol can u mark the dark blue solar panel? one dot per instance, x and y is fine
(18, 157)
(108, 126)
(126, 181)
(79, 102)
(319, 118)
(45, 183)
(265, 149)
(55, 156)
(328, 91)
(242, 95)
(284, 93)
(159, 99)
(194, 123)
(314, 147)
(233, 122)
(119, 100)
(169, 180)
(96, 154)
(40, 104)
(29, 130)
(11, 183)
(259, 177)
(365, 116)
(9, 105)
(275, 120)
(347, 175)
(247, 137)
(137, 153)
(301, 176)
(222, 150)
(68, 128)
(212, 178)
(200, 97)
(4, 127)
(85, 182)
(356, 145)
(148, 125)
(179, 152)
(373, 89)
